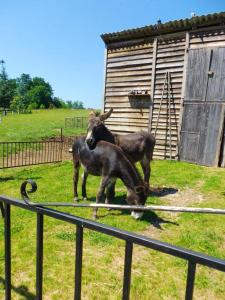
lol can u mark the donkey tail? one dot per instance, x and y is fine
(149, 143)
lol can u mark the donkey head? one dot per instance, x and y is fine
(138, 196)
(96, 128)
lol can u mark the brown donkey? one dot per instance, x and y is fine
(137, 146)
(109, 162)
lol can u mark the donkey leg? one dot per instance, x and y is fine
(110, 191)
(103, 184)
(76, 178)
(84, 180)
(145, 164)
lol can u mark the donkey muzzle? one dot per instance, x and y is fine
(137, 214)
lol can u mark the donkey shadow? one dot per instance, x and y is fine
(161, 192)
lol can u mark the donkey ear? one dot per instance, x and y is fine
(92, 114)
(105, 116)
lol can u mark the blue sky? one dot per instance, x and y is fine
(60, 40)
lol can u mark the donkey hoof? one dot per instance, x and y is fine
(75, 199)
(85, 198)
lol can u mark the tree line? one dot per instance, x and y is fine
(26, 93)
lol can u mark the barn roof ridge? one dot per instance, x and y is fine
(167, 27)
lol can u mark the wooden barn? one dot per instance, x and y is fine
(170, 79)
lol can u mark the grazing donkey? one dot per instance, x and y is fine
(109, 162)
(137, 146)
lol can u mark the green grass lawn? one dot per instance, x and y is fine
(40, 124)
(154, 275)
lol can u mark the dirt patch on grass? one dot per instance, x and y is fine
(175, 197)
(184, 197)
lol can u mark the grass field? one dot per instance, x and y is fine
(154, 275)
(40, 124)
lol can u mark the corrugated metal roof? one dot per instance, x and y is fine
(168, 27)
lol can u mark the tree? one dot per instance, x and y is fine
(40, 92)
(7, 91)
(26, 92)
(41, 95)
(58, 102)
(78, 105)
(24, 84)
(18, 103)
(7, 88)
(3, 74)
(69, 104)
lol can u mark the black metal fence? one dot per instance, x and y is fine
(193, 258)
(76, 122)
(18, 154)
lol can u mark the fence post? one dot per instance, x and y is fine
(39, 257)
(61, 134)
(2, 209)
(3, 154)
(7, 252)
(78, 262)
(127, 270)
(190, 280)
(61, 145)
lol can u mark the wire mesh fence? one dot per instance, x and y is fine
(76, 122)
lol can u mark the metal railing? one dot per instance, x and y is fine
(76, 122)
(193, 258)
(18, 154)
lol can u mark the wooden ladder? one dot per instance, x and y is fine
(166, 89)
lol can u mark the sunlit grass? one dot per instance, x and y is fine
(154, 275)
(40, 124)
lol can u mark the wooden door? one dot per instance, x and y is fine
(216, 75)
(203, 113)
(197, 75)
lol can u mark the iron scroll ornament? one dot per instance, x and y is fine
(24, 191)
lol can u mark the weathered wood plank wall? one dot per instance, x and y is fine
(134, 66)
(207, 38)
(128, 68)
